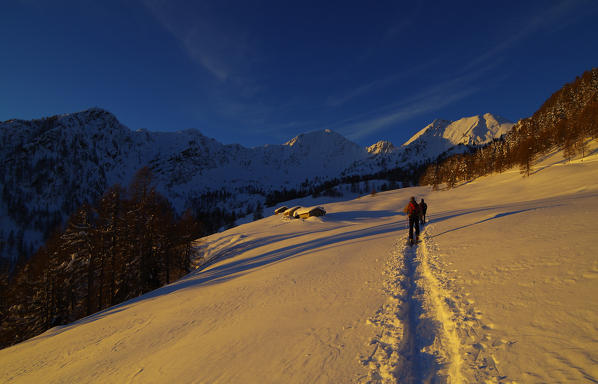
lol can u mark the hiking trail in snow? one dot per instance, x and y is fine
(428, 330)
(496, 292)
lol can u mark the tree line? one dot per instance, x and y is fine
(564, 122)
(129, 243)
(316, 187)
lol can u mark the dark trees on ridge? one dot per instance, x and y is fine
(565, 122)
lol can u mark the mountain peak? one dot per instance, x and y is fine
(443, 135)
(92, 113)
(473, 130)
(476, 130)
(382, 146)
(432, 129)
(315, 137)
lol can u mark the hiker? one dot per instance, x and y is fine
(412, 209)
(423, 207)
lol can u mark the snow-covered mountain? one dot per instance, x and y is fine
(442, 135)
(382, 146)
(439, 137)
(343, 299)
(55, 164)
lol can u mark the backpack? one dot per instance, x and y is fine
(412, 208)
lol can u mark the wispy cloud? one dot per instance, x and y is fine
(221, 50)
(462, 85)
(556, 15)
(405, 18)
(226, 49)
(364, 128)
(427, 100)
(376, 85)
(335, 101)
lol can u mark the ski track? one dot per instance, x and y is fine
(428, 331)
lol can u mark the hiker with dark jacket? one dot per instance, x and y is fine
(413, 211)
(423, 207)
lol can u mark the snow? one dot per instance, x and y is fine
(475, 130)
(382, 146)
(438, 137)
(73, 158)
(501, 289)
(435, 128)
(443, 135)
(305, 212)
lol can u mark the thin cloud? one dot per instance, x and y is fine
(365, 89)
(426, 101)
(407, 112)
(553, 16)
(335, 101)
(224, 50)
(221, 51)
(451, 91)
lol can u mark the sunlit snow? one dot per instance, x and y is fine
(502, 288)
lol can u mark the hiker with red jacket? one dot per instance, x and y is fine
(413, 210)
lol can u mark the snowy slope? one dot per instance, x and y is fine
(499, 290)
(56, 164)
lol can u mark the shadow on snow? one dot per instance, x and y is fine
(226, 271)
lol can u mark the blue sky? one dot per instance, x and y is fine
(261, 72)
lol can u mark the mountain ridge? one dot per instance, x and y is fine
(57, 163)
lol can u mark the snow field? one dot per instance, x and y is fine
(530, 277)
(426, 332)
(461, 347)
(391, 349)
(285, 302)
(500, 290)
(461, 302)
(437, 308)
(519, 255)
